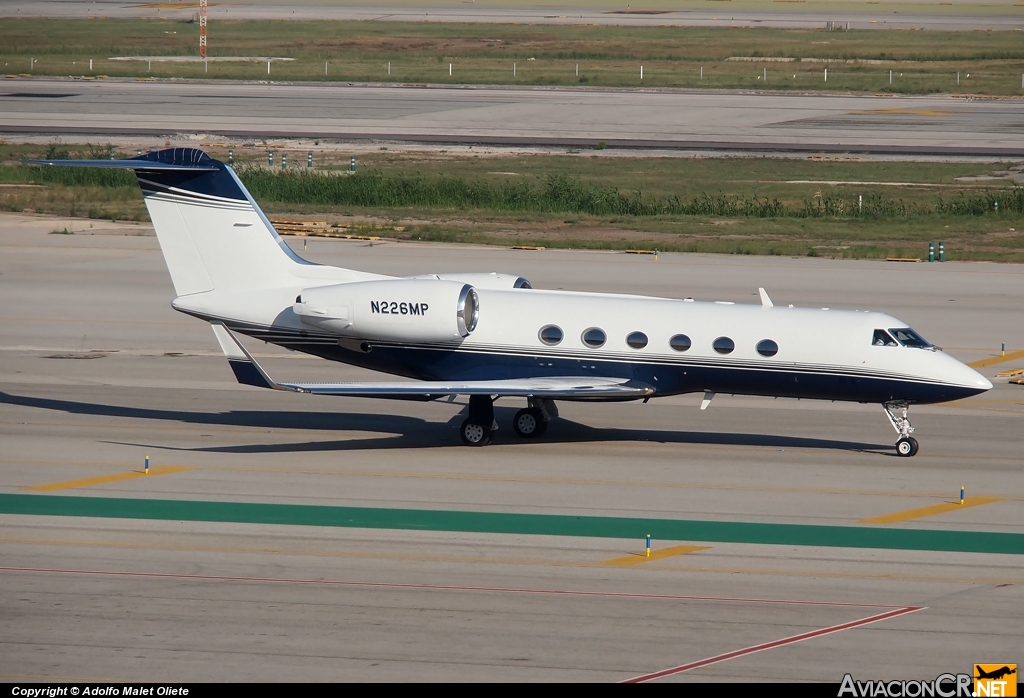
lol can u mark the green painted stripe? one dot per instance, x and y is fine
(535, 524)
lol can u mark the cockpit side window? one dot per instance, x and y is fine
(883, 339)
(908, 338)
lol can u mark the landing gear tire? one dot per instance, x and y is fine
(474, 434)
(907, 447)
(529, 423)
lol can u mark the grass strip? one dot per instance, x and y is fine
(515, 523)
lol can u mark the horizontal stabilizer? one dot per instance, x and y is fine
(249, 372)
(187, 159)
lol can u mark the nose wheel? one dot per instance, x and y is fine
(907, 447)
(897, 413)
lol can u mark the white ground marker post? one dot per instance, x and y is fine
(826, 74)
(449, 70)
(513, 68)
(389, 67)
(641, 72)
(325, 67)
(890, 77)
(90, 65)
(577, 70)
(268, 67)
(765, 75)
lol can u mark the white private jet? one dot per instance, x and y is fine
(490, 336)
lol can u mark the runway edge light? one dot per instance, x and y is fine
(648, 545)
(147, 465)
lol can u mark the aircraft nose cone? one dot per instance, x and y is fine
(984, 383)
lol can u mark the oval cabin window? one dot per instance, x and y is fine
(550, 335)
(724, 345)
(680, 342)
(767, 347)
(594, 337)
(637, 340)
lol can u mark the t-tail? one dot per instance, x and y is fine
(212, 233)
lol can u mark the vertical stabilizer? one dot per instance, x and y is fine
(211, 232)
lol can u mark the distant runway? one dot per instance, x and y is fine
(283, 537)
(561, 117)
(996, 15)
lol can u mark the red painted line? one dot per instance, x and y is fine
(772, 645)
(443, 587)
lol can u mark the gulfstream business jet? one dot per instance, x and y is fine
(490, 336)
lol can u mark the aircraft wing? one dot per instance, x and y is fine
(249, 372)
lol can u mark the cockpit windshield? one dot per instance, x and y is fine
(908, 338)
(883, 339)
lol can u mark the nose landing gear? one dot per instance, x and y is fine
(907, 445)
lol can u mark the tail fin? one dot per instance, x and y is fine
(212, 233)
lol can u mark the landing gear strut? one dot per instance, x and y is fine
(896, 411)
(479, 426)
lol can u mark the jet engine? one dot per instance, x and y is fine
(395, 310)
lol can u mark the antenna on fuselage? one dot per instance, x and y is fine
(765, 300)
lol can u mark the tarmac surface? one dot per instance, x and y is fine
(285, 537)
(708, 121)
(989, 15)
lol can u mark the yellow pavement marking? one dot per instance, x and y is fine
(661, 554)
(993, 360)
(479, 477)
(930, 511)
(103, 479)
(381, 555)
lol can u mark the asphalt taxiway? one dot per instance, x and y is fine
(989, 15)
(723, 121)
(287, 537)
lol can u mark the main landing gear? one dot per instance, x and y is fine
(896, 411)
(529, 423)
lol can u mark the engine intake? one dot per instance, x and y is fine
(402, 310)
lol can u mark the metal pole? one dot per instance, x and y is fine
(766, 75)
(268, 67)
(826, 74)
(513, 69)
(389, 67)
(577, 70)
(449, 70)
(325, 67)
(702, 72)
(641, 72)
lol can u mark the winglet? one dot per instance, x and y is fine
(246, 369)
(765, 300)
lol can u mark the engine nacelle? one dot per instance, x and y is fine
(398, 310)
(492, 281)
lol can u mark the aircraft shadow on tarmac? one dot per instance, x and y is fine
(410, 432)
